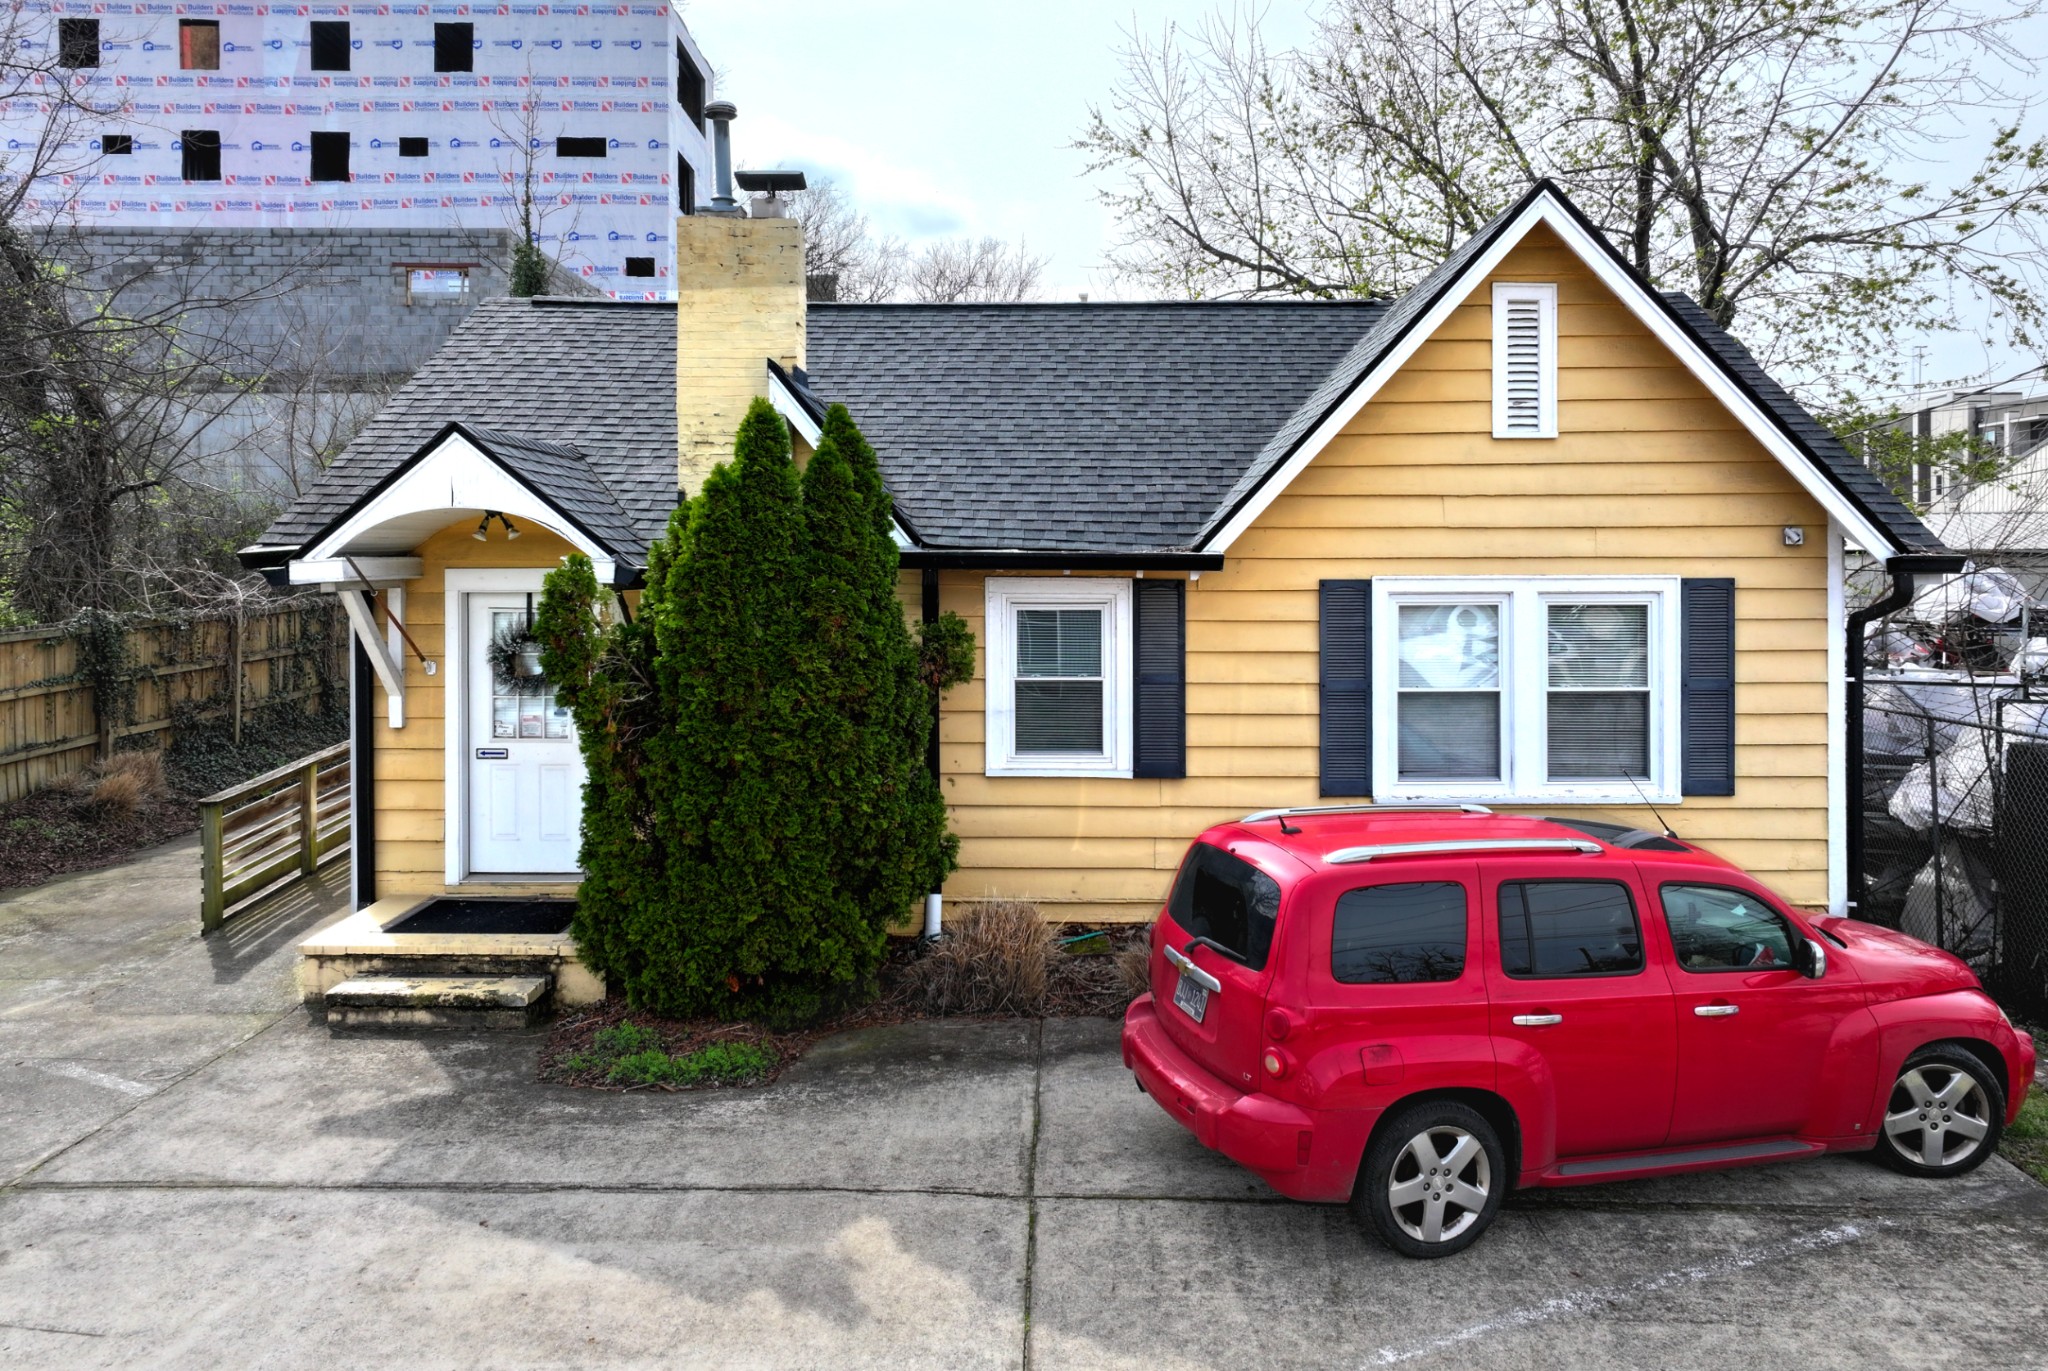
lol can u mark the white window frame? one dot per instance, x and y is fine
(1525, 685)
(1004, 597)
(1545, 297)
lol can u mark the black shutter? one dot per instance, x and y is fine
(1346, 699)
(1159, 702)
(1707, 687)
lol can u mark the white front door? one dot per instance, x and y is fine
(525, 770)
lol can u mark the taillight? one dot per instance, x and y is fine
(1278, 1063)
(1279, 1023)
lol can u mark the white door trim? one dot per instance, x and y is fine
(460, 583)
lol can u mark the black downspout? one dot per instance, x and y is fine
(362, 772)
(929, 610)
(930, 579)
(1902, 570)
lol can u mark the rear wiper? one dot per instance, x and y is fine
(1199, 941)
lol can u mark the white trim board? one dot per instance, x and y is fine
(457, 584)
(1545, 208)
(789, 407)
(1002, 595)
(454, 480)
(1838, 725)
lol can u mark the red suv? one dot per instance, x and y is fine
(1415, 1008)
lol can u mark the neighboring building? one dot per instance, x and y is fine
(325, 322)
(1532, 536)
(2002, 520)
(379, 116)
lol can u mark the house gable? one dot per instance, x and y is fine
(1866, 514)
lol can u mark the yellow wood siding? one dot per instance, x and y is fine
(410, 789)
(1649, 476)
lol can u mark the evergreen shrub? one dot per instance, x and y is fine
(758, 810)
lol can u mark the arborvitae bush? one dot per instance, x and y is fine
(758, 812)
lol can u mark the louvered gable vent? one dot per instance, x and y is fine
(1524, 361)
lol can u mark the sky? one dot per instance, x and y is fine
(945, 118)
(942, 119)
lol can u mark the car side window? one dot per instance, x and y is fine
(1384, 934)
(1551, 929)
(1714, 928)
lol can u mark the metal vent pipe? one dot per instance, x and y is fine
(721, 113)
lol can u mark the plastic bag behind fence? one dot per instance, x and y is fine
(1952, 903)
(1963, 800)
(1902, 713)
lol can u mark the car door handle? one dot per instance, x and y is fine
(1538, 1020)
(1714, 1011)
(1184, 964)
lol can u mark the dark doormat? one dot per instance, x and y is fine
(449, 915)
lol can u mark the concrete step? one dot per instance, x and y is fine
(439, 1001)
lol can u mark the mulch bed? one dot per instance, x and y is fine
(54, 831)
(1087, 986)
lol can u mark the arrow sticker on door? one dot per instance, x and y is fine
(492, 754)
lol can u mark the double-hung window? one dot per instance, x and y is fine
(1535, 688)
(1059, 668)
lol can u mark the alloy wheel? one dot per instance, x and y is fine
(1938, 1115)
(1439, 1184)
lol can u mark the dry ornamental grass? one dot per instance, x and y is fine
(996, 958)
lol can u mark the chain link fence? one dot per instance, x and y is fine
(1955, 804)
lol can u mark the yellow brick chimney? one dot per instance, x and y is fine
(739, 302)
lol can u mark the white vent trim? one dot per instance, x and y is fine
(1524, 360)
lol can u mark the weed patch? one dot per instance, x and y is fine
(2025, 1143)
(625, 1055)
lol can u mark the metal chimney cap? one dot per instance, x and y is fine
(773, 182)
(721, 109)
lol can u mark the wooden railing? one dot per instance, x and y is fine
(270, 830)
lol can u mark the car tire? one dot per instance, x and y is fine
(1432, 1179)
(1943, 1115)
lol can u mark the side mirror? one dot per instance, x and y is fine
(1813, 959)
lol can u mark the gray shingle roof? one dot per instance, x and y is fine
(561, 474)
(1062, 428)
(1104, 427)
(600, 375)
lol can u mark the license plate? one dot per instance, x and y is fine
(1191, 999)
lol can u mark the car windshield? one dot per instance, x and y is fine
(1228, 901)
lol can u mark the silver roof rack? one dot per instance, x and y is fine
(1365, 809)
(1450, 845)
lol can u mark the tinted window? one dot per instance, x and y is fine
(330, 45)
(579, 147)
(118, 144)
(639, 266)
(1228, 901)
(454, 47)
(412, 147)
(330, 157)
(1716, 929)
(78, 42)
(1411, 932)
(1568, 928)
(199, 154)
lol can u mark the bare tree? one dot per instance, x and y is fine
(109, 384)
(1761, 156)
(843, 258)
(987, 270)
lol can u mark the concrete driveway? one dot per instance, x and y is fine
(193, 1175)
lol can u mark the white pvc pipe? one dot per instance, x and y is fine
(932, 903)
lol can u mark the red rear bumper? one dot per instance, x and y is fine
(1276, 1139)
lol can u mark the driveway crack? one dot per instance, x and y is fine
(1031, 1181)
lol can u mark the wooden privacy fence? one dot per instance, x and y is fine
(72, 693)
(270, 830)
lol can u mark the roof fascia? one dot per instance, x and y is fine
(790, 406)
(365, 513)
(1547, 207)
(997, 559)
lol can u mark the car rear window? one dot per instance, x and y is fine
(1228, 901)
(1568, 928)
(1398, 933)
